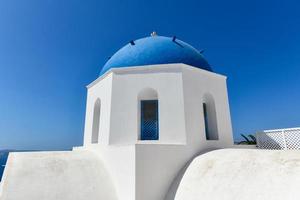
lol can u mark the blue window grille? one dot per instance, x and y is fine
(149, 120)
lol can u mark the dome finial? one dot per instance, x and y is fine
(153, 34)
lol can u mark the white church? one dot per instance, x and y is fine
(156, 105)
(154, 119)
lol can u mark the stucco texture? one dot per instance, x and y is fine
(239, 174)
(76, 175)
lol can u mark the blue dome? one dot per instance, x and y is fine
(156, 50)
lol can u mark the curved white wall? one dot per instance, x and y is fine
(72, 175)
(240, 174)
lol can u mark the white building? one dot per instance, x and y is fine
(156, 105)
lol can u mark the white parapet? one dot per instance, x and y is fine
(240, 174)
(76, 175)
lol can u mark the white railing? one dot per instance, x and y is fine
(288, 138)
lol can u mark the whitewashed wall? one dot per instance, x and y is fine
(241, 174)
(157, 164)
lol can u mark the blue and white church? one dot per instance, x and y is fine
(156, 105)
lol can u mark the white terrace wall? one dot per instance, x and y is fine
(65, 175)
(242, 174)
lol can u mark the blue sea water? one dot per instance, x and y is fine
(3, 159)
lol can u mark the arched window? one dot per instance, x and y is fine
(96, 121)
(148, 114)
(210, 118)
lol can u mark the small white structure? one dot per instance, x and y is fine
(180, 91)
(148, 122)
(156, 105)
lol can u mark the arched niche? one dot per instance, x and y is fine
(210, 117)
(148, 94)
(96, 122)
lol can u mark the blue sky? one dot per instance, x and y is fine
(50, 50)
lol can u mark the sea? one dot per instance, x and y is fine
(3, 159)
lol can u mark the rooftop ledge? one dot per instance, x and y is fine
(166, 68)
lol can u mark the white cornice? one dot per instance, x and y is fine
(165, 68)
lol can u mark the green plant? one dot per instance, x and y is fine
(250, 139)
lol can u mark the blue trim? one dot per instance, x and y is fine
(149, 127)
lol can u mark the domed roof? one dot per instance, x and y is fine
(156, 50)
